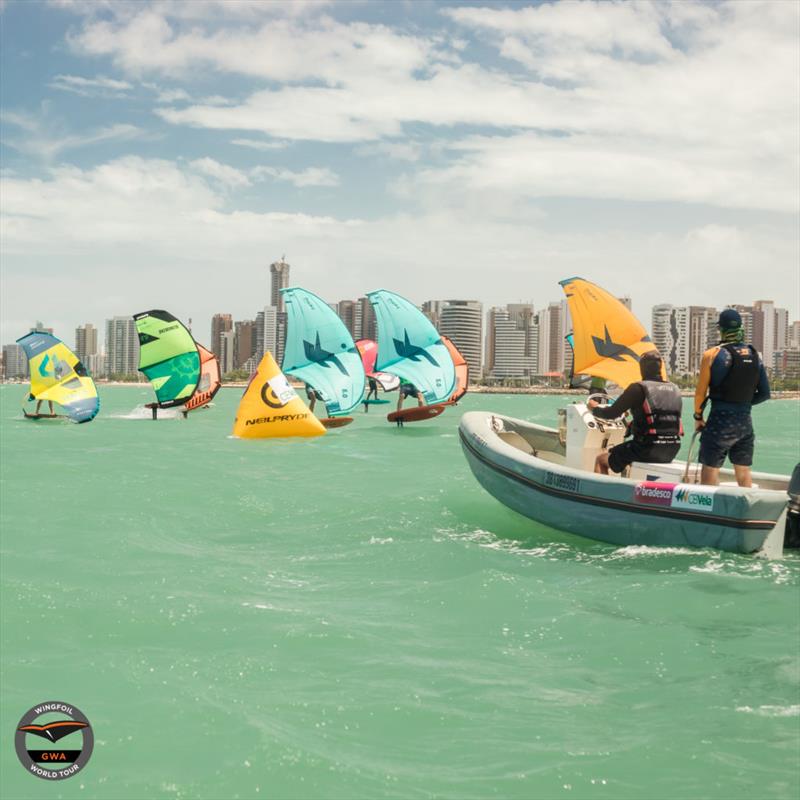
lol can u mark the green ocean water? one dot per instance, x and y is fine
(353, 617)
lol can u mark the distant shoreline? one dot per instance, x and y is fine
(532, 390)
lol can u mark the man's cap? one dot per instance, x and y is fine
(729, 319)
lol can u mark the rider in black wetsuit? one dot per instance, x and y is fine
(656, 428)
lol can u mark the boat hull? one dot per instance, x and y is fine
(613, 509)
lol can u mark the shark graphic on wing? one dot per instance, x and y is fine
(319, 355)
(611, 349)
(406, 349)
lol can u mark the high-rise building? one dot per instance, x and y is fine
(764, 329)
(280, 336)
(670, 334)
(15, 362)
(793, 336)
(227, 356)
(85, 342)
(786, 363)
(220, 323)
(626, 301)
(278, 279)
(368, 325)
(781, 329)
(122, 346)
(96, 365)
(511, 342)
(245, 340)
(554, 323)
(432, 309)
(39, 326)
(462, 322)
(346, 309)
(266, 330)
(702, 334)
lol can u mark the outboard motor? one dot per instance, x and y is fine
(791, 537)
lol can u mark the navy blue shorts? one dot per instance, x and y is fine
(727, 433)
(408, 390)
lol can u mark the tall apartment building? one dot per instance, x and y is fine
(85, 342)
(369, 328)
(227, 356)
(266, 332)
(764, 329)
(462, 322)
(220, 324)
(15, 362)
(793, 335)
(96, 365)
(39, 326)
(554, 323)
(122, 346)
(348, 311)
(280, 336)
(702, 334)
(245, 339)
(278, 279)
(670, 334)
(786, 363)
(511, 342)
(432, 309)
(781, 329)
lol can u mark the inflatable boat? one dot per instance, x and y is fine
(547, 474)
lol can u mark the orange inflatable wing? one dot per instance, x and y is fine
(462, 371)
(608, 340)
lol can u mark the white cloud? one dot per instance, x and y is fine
(705, 100)
(132, 226)
(260, 144)
(91, 87)
(44, 138)
(312, 176)
(227, 175)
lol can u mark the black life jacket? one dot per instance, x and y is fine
(658, 421)
(739, 385)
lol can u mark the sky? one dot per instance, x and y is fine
(162, 154)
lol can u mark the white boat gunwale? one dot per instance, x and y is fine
(647, 511)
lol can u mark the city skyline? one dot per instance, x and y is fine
(507, 341)
(494, 149)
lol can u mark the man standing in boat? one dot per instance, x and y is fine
(656, 428)
(733, 378)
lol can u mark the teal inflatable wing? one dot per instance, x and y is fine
(411, 348)
(320, 351)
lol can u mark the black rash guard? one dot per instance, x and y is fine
(632, 397)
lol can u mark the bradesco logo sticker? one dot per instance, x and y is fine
(653, 493)
(697, 498)
(54, 721)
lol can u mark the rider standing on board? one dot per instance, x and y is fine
(733, 377)
(656, 408)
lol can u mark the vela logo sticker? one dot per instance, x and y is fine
(696, 498)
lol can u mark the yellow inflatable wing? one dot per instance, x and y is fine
(608, 340)
(59, 377)
(270, 408)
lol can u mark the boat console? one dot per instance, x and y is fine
(588, 436)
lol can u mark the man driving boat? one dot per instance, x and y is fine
(656, 428)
